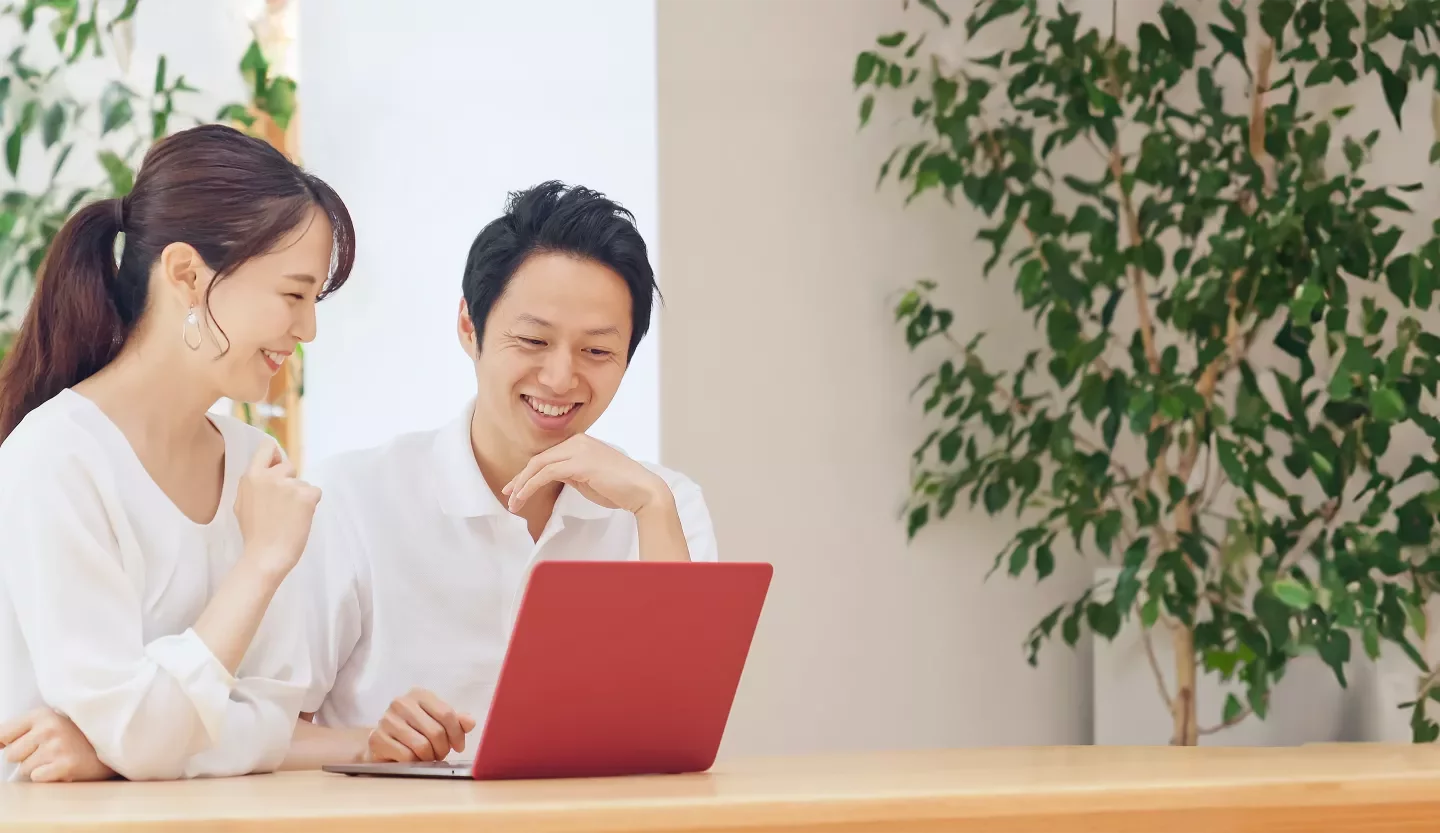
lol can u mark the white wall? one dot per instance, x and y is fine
(785, 389)
(423, 116)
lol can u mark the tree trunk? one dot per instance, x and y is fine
(1182, 708)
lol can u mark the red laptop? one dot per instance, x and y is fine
(614, 668)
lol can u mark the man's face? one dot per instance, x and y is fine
(553, 351)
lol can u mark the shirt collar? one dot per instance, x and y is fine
(463, 490)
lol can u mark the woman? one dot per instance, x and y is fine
(144, 627)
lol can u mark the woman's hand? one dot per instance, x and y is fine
(276, 510)
(49, 747)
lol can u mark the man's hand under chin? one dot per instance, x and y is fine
(610, 479)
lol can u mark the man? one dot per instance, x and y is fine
(424, 544)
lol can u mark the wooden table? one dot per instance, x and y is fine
(1152, 789)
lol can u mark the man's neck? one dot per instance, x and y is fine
(501, 465)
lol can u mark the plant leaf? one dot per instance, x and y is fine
(1293, 593)
(122, 179)
(54, 124)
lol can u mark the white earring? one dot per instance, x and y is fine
(191, 320)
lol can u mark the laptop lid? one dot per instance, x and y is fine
(621, 668)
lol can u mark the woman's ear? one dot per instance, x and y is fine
(465, 328)
(183, 271)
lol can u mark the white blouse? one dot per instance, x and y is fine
(101, 579)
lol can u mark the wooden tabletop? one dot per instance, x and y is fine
(1313, 789)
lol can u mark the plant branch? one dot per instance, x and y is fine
(1257, 115)
(1137, 274)
(1210, 378)
(1237, 718)
(1328, 512)
(1427, 683)
(1155, 666)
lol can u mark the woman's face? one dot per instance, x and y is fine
(260, 312)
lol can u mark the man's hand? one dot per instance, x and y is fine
(599, 472)
(418, 727)
(48, 747)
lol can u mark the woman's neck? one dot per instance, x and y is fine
(149, 393)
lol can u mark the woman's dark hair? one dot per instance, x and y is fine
(230, 196)
(554, 218)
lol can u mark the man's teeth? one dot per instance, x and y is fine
(547, 409)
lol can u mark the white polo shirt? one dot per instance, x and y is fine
(421, 570)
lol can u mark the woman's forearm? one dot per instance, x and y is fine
(229, 621)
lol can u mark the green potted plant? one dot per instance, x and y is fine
(1232, 403)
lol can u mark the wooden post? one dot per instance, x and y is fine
(281, 411)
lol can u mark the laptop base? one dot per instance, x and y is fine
(421, 769)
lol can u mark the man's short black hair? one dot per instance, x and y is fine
(555, 218)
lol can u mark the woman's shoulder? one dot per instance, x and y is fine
(65, 437)
(59, 427)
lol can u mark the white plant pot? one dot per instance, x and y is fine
(1307, 706)
(1392, 680)
(1388, 723)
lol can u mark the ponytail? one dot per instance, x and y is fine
(74, 325)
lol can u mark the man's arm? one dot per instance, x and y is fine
(662, 535)
(671, 525)
(681, 526)
(313, 746)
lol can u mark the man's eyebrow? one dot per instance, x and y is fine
(527, 318)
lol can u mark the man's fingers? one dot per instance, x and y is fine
(552, 473)
(421, 720)
(22, 747)
(447, 719)
(385, 748)
(418, 744)
(550, 455)
(416, 747)
(519, 480)
(12, 730)
(397, 724)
